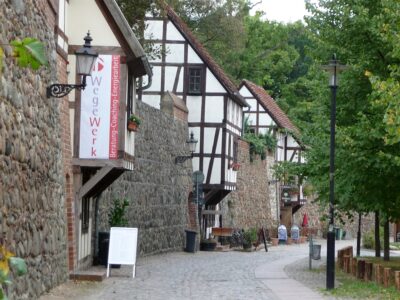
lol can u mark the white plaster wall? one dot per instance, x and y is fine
(212, 83)
(253, 104)
(193, 58)
(209, 134)
(173, 33)
(154, 30)
(214, 109)
(175, 53)
(193, 104)
(292, 142)
(252, 119)
(156, 83)
(80, 20)
(216, 170)
(152, 100)
(265, 119)
(244, 91)
(170, 73)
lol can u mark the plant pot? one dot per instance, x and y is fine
(274, 241)
(207, 246)
(246, 245)
(132, 126)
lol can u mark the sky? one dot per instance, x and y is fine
(282, 10)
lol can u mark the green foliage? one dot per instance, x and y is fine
(249, 236)
(368, 239)
(135, 119)
(116, 216)
(7, 260)
(288, 172)
(19, 265)
(353, 288)
(259, 143)
(29, 53)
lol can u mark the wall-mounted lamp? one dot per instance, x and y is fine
(192, 145)
(85, 58)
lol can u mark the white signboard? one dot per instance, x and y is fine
(122, 247)
(99, 110)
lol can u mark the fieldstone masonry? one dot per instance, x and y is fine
(250, 205)
(32, 216)
(157, 189)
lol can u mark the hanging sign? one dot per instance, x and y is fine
(100, 109)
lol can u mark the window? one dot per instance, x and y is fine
(195, 80)
(85, 214)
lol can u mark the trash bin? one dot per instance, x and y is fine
(190, 240)
(104, 238)
(295, 232)
(316, 252)
(338, 233)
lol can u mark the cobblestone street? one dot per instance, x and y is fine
(210, 275)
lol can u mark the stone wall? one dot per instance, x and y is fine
(248, 206)
(316, 213)
(32, 217)
(157, 189)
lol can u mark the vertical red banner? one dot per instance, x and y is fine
(114, 109)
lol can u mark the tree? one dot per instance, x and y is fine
(367, 167)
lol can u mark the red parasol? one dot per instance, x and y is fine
(305, 221)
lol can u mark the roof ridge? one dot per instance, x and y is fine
(269, 104)
(215, 68)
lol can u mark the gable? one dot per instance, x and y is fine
(79, 23)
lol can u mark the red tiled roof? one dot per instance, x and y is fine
(270, 106)
(205, 56)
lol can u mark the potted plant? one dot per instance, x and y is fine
(235, 166)
(249, 237)
(133, 122)
(116, 218)
(208, 244)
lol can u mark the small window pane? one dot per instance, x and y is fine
(195, 80)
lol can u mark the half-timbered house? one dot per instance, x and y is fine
(265, 117)
(101, 146)
(187, 70)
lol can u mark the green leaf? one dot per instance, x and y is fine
(19, 265)
(29, 52)
(2, 295)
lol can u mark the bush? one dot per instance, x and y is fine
(249, 236)
(368, 239)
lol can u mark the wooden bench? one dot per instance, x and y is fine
(221, 231)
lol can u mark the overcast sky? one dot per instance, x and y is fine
(282, 10)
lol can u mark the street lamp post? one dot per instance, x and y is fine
(333, 68)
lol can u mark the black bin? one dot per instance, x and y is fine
(104, 239)
(190, 240)
(316, 252)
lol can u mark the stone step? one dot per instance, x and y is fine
(88, 275)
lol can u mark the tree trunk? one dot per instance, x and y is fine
(377, 238)
(386, 240)
(359, 235)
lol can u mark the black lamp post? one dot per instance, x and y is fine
(333, 68)
(192, 145)
(85, 58)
